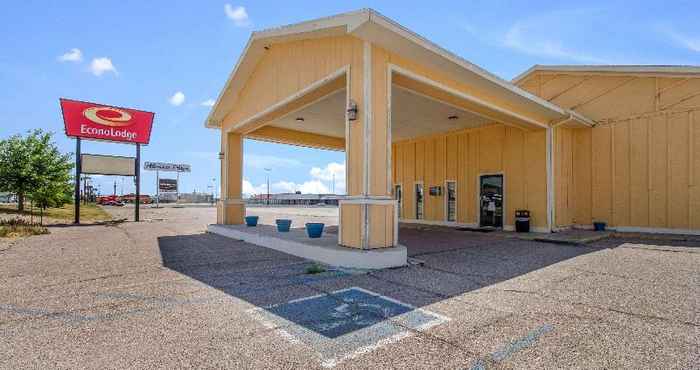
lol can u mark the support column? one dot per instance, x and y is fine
(231, 209)
(368, 218)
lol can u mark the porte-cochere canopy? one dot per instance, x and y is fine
(361, 83)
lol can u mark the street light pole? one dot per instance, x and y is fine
(267, 176)
(213, 190)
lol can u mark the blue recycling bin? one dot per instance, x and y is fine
(251, 221)
(314, 229)
(283, 225)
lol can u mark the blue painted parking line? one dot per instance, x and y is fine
(513, 347)
(74, 318)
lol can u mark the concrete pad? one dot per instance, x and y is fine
(324, 249)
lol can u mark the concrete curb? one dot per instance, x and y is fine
(329, 252)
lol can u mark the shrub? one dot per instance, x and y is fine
(315, 269)
(17, 227)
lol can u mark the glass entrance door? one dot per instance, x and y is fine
(491, 200)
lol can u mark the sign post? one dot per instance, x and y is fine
(137, 170)
(157, 189)
(167, 185)
(77, 181)
(84, 120)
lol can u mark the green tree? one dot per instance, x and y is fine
(32, 166)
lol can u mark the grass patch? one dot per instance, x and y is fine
(88, 212)
(17, 228)
(315, 269)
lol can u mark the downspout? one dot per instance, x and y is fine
(550, 179)
(551, 206)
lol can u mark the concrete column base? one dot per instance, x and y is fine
(230, 212)
(368, 223)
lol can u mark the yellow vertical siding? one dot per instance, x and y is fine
(694, 159)
(639, 173)
(462, 156)
(659, 179)
(582, 176)
(410, 166)
(621, 174)
(380, 126)
(563, 176)
(305, 62)
(639, 166)
(678, 171)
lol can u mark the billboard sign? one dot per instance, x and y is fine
(102, 122)
(96, 164)
(167, 185)
(166, 167)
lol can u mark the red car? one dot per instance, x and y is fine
(115, 203)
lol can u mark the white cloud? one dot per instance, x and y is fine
(249, 189)
(320, 183)
(328, 173)
(313, 187)
(208, 103)
(332, 172)
(99, 66)
(73, 55)
(525, 37)
(269, 161)
(681, 39)
(237, 14)
(559, 35)
(177, 99)
(283, 187)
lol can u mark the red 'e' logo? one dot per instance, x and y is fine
(108, 116)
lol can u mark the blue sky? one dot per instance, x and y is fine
(172, 57)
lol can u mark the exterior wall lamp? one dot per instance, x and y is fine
(352, 111)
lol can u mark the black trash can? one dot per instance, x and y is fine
(522, 221)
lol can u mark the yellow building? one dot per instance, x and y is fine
(431, 138)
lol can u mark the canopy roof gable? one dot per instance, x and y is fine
(369, 25)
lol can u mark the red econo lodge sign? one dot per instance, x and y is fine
(103, 122)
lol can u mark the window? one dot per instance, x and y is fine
(419, 201)
(398, 196)
(451, 201)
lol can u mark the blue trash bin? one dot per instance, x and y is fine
(251, 220)
(314, 229)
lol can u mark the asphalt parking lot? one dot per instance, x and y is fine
(164, 294)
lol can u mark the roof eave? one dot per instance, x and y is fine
(649, 70)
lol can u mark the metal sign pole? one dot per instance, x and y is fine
(77, 180)
(137, 172)
(157, 189)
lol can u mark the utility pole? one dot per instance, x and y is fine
(213, 191)
(114, 192)
(267, 176)
(85, 189)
